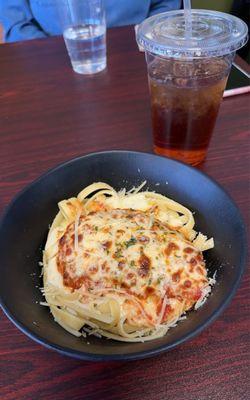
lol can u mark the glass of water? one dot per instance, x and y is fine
(84, 32)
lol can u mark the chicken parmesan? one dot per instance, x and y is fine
(124, 265)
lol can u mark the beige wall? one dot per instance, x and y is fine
(1, 34)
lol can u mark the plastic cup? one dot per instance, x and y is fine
(84, 30)
(187, 76)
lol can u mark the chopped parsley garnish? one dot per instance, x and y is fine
(118, 253)
(96, 228)
(149, 282)
(159, 279)
(132, 263)
(130, 242)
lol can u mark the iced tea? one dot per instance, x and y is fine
(185, 100)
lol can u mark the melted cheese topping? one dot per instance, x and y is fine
(127, 261)
(117, 250)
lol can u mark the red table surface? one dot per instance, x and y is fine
(49, 114)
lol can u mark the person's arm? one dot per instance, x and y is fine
(18, 21)
(158, 6)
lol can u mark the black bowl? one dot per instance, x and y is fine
(24, 227)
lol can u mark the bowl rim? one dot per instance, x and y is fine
(145, 353)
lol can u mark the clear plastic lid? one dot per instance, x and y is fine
(212, 34)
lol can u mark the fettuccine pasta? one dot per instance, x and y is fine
(123, 265)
